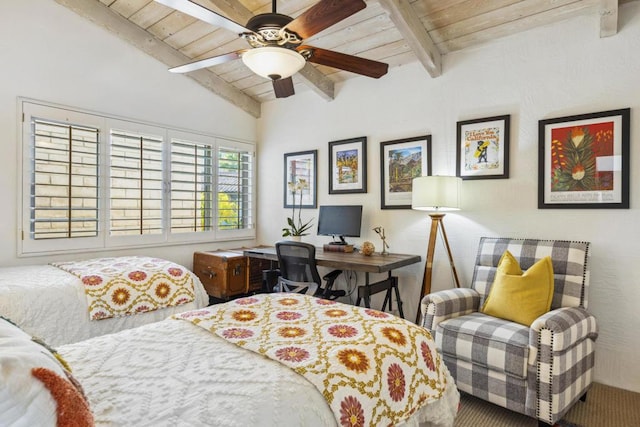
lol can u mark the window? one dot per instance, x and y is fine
(191, 187)
(235, 175)
(64, 195)
(135, 188)
(91, 182)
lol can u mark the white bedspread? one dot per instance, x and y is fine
(50, 303)
(173, 373)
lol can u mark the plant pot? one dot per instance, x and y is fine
(295, 238)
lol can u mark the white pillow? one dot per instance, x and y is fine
(24, 400)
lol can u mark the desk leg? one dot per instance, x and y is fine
(365, 292)
(388, 296)
(398, 300)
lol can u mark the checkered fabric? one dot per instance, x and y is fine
(486, 341)
(540, 371)
(446, 304)
(571, 278)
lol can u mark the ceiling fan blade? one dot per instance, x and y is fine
(209, 62)
(355, 64)
(204, 14)
(283, 87)
(322, 15)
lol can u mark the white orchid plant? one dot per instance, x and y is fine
(296, 226)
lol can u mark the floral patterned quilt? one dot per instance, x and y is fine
(372, 368)
(122, 286)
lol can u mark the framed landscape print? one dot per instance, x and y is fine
(482, 150)
(300, 179)
(402, 160)
(348, 166)
(583, 161)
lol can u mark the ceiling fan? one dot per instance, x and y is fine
(277, 50)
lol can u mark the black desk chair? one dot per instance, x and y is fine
(299, 272)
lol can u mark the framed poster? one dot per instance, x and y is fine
(348, 166)
(583, 161)
(300, 179)
(482, 149)
(402, 160)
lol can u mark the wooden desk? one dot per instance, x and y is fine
(355, 261)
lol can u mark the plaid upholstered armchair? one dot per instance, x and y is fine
(539, 370)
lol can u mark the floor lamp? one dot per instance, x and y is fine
(436, 194)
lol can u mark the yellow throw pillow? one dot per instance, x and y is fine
(517, 296)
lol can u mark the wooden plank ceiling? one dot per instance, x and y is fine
(392, 31)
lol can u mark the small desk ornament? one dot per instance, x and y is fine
(385, 246)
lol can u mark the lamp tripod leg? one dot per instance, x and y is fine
(436, 221)
(453, 266)
(428, 265)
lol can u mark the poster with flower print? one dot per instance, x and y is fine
(584, 161)
(482, 149)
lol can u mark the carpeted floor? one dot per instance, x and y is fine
(605, 407)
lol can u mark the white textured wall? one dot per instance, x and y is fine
(559, 70)
(49, 53)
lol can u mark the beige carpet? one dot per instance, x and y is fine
(605, 407)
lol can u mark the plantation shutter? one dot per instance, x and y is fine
(191, 186)
(64, 183)
(235, 198)
(136, 184)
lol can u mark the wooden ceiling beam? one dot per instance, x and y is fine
(101, 15)
(317, 81)
(608, 18)
(407, 22)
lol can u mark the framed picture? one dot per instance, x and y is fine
(482, 149)
(583, 161)
(300, 179)
(401, 161)
(348, 166)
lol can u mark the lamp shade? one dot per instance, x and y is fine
(436, 193)
(273, 62)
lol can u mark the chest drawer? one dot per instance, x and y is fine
(223, 273)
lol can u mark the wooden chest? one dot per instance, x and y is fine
(224, 274)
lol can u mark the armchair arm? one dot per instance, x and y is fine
(561, 361)
(443, 305)
(562, 328)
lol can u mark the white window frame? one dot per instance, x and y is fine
(28, 108)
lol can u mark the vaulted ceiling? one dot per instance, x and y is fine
(392, 31)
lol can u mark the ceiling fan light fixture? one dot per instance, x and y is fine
(273, 62)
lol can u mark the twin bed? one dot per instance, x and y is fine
(276, 359)
(50, 302)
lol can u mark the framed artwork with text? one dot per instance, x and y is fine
(482, 150)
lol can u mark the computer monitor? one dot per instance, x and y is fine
(340, 222)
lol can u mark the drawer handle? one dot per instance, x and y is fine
(209, 273)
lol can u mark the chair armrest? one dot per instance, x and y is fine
(562, 328)
(443, 305)
(285, 285)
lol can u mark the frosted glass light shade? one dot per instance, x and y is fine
(273, 62)
(436, 193)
